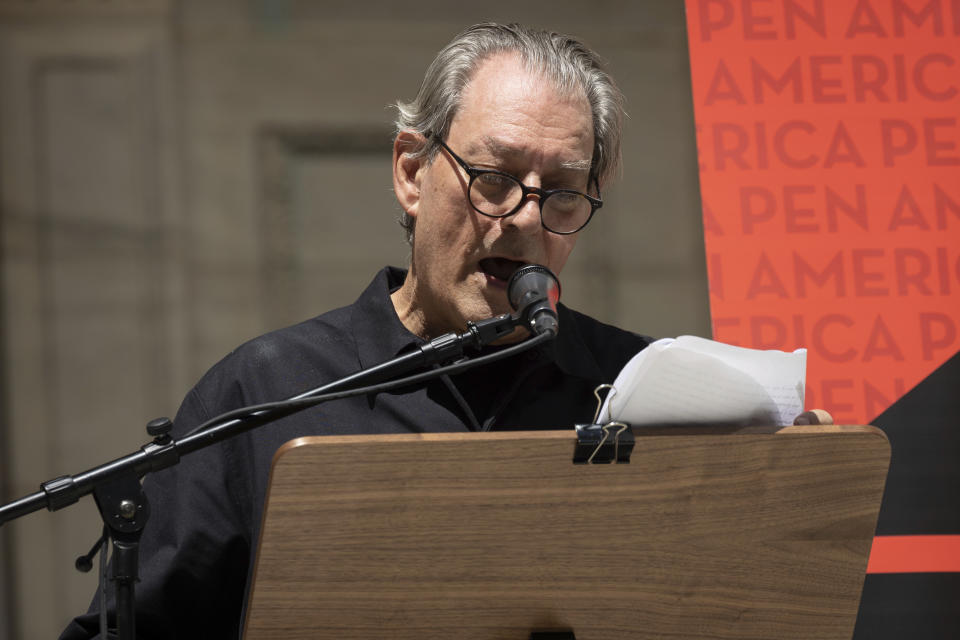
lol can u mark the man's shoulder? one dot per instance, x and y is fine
(320, 333)
(283, 362)
(294, 359)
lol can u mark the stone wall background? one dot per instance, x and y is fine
(179, 176)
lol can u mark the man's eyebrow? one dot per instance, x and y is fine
(502, 150)
(494, 146)
(578, 165)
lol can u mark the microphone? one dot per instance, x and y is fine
(533, 292)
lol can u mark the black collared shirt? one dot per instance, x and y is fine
(199, 543)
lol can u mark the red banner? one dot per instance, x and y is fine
(829, 145)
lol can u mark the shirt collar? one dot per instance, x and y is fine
(377, 329)
(380, 335)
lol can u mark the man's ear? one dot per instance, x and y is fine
(408, 170)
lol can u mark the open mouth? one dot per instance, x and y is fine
(499, 270)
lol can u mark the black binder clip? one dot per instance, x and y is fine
(603, 443)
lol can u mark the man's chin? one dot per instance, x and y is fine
(496, 305)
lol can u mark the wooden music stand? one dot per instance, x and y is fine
(718, 533)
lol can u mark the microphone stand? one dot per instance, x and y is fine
(116, 488)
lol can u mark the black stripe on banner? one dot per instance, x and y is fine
(910, 606)
(922, 495)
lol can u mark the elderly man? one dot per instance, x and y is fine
(498, 162)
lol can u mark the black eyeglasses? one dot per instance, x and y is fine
(497, 195)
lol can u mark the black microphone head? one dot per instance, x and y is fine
(533, 292)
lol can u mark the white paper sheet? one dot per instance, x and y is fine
(691, 380)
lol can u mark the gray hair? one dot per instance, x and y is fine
(566, 61)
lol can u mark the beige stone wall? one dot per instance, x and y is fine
(176, 178)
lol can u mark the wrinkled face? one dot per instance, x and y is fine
(516, 122)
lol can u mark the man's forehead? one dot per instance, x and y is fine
(506, 101)
(506, 150)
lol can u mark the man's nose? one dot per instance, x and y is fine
(527, 218)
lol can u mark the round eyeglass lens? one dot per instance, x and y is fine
(565, 211)
(495, 194)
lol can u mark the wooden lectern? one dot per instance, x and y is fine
(734, 533)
